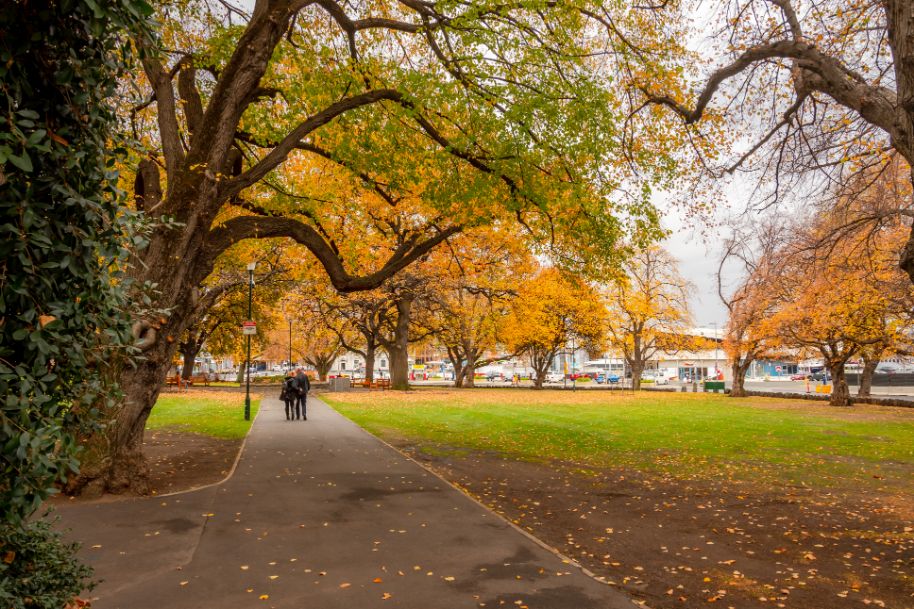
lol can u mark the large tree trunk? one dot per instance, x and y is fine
(637, 366)
(113, 460)
(369, 362)
(866, 378)
(840, 394)
(738, 390)
(456, 359)
(189, 351)
(458, 377)
(322, 364)
(399, 368)
(459, 372)
(541, 367)
(469, 371)
(399, 348)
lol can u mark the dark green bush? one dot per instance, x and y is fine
(64, 233)
(38, 570)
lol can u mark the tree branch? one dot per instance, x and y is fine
(252, 227)
(278, 154)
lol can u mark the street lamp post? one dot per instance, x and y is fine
(574, 378)
(716, 369)
(247, 388)
(290, 344)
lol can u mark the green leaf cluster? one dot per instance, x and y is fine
(63, 231)
(37, 569)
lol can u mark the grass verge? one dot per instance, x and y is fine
(217, 416)
(774, 441)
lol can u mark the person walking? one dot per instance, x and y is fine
(302, 386)
(289, 394)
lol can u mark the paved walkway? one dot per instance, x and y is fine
(320, 514)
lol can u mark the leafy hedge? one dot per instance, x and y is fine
(37, 569)
(63, 231)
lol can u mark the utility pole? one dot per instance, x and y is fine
(247, 389)
(574, 378)
(714, 327)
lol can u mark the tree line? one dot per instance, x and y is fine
(825, 285)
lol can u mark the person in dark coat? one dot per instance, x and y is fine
(289, 394)
(302, 386)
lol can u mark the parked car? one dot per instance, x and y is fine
(554, 377)
(820, 376)
(799, 377)
(654, 377)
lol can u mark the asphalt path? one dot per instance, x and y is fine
(320, 514)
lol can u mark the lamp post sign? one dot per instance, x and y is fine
(249, 327)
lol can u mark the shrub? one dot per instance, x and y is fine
(63, 234)
(38, 570)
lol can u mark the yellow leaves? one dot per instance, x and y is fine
(549, 308)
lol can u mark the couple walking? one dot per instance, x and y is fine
(294, 394)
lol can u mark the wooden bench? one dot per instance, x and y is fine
(173, 380)
(197, 379)
(375, 384)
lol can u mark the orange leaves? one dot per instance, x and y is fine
(549, 309)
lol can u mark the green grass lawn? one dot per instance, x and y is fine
(217, 416)
(686, 435)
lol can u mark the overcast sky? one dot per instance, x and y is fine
(697, 245)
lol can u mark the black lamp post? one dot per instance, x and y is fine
(247, 389)
(290, 344)
(574, 378)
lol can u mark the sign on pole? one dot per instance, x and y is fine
(249, 327)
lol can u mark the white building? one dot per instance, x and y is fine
(353, 364)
